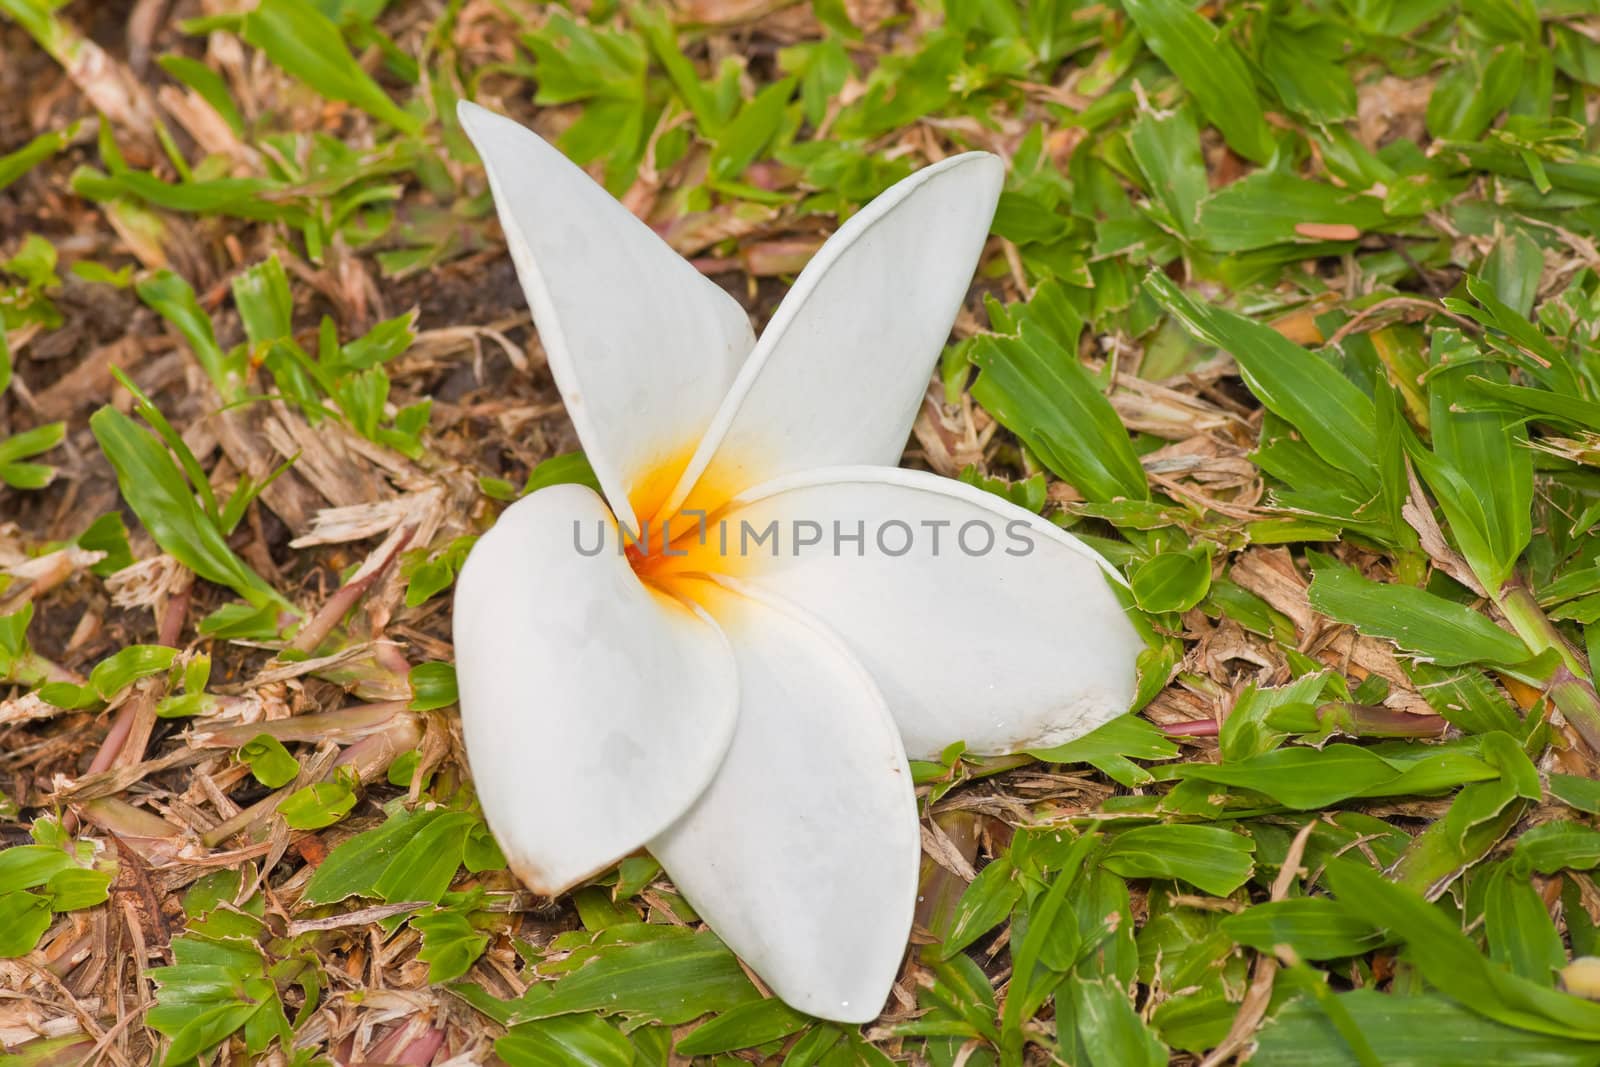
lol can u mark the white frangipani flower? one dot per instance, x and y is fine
(745, 711)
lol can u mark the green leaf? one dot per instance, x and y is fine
(211, 86)
(1210, 68)
(317, 805)
(1466, 99)
(1576, 791)
(1035, 386)
(1518, 927)
(1336, 419)
(1559, 845)
(745, 1026)
(576, 1040)
(156, 491)
(35, 263)
(1309, 80)
(1481, 471)
(1421, 1030)
(1109, 1027)
(1315, 927)
(1451, 962)
(960, 990)
(634, 873)
(671, 979)
(269, 761)
(206, 1028)
(30, 866)
(354, 866)
(32, 442)
(27, 475)
(1247, 731)
(570, 467)
(1465, 697)
(174, 300)
(1210, 858)
(749, 134)
(450, 944)
(823, 67)
(215, 987)
(302, 41)
(111, 675)
(577, 62)
(1304, 778)
(1419, 622)
(381, 344)
(14, 165)
(1166, 146)
(1111, 748)
(77, 887)
(433, 685)
(428, 578)
(423, 868)
(480, 851)
(266, 306)
(1393, 475)
(1437, 768)
(1272, 208)
(983, 905)
(1052, 929)
(24, 917)
(608, 69)
(241, 622)
(107, 534)
(1480, 815)
(1172, 581)
(1542, 404)
(14, 449)
(659, 32)
(194, 700)
(1029, 493)
(1513, 268)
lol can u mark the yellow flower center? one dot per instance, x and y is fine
(669, 547)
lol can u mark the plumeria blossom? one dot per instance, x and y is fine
(635, 672)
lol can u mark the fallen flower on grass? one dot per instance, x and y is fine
(746, 713)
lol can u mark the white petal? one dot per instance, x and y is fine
(1003, 651)
(595, 710)
(642, 346)
(803, 852)
(838, 374)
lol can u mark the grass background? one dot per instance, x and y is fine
(1290, 309)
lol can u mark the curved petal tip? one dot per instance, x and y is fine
(803, 852)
